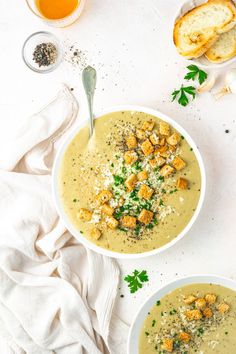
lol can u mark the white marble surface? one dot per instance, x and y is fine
(129, 42)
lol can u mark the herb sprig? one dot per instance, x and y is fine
(136, 279)
(183, 93)
(195, 72)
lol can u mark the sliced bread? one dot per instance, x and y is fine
(224, 48)
(200, 28)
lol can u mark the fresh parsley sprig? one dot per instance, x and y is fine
(195, 72)
(136, 279)
(183, 93)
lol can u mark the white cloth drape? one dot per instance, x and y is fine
(56, 296)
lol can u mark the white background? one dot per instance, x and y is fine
(129, 43)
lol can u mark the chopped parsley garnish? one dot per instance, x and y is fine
(155, 221)
(137, 166)
(173, 191)
(74, 200)
(118, 180)
(191, 149)
(137, 230)
(161, 203)
(195, 72)
(147, 333)
(172, 312)
(112, 164)
(136, 279)
(153, 323)
(183, 93)
(160, 178)
(122, 229)
(158, 302)
(163, 191)
(150, 226)
(200, 330)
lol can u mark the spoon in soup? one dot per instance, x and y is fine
(89, 78)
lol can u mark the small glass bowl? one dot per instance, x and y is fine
(29, 46)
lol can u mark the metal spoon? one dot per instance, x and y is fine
(89, 77)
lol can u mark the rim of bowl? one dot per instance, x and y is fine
(141, 314)
(195, 60)
(59, 49)
(69, 225)
(80, 7)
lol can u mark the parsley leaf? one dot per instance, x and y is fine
(195, 72)
(136, 279)
(118, 180)
(182, 94)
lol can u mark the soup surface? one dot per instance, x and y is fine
(198, 318)
(133, 186)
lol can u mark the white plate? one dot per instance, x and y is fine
(188, 5)
(137, 324)
(76, 232)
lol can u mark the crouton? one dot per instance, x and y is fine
(207, 312)
(107, 209)
(148, 125)
(153, 163)
(95, 233)
(140, 134)
(130, 182)
(160, 161)
(223, 307)
(174, 139)
(162, 151)
(145, 216)
(200, 303)
(112, 223)
(130, 157)
(145, 192)
(193, 315)
(131, 142)
(210, 298)
(166, 170)
(167, 344)
(190, 299)
(154, 138)
(85, 214)
(162, 141)
(142, 175)
(147, 147)
(129, 222)
(104, 196)
(164, 128)
(184, 337)
(182, 183)
(178, 163)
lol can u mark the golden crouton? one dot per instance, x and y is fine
(162, 151)
(104, 196)
(130, 182)
(178, 163)
(162, 141)
(153, 163)
(207, 312)
(145, 216)
(95, 233)
(184, 337)
(182, 183)
(85, 214)
(223, 307)
(190, 299)
(168, 345)
(166, 170)
(130, 157)
(147, 147)
(140, 134)
(164, 128)
(193, 315)
(160, 161)
(142, 175)
(129, 222)
(112, 223)
(145, 192)
(173, 139)
(107, 209)
(148, 125)
(131, 142)
(200, 303)
(210, 298)
(154, 138)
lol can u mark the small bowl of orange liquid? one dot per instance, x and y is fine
(57, 13)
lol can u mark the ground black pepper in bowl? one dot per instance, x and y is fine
(45, 54)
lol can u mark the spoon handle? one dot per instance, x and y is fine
(89, 78)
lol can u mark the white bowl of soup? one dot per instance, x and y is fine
(196, 314)
(135, 188)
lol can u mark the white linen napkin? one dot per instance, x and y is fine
(56, 296)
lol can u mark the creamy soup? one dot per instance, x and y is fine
(134, 186)
(199, 318)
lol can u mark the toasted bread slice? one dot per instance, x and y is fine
(224, 48)
(199, 29)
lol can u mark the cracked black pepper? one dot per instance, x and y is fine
(45, 54)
